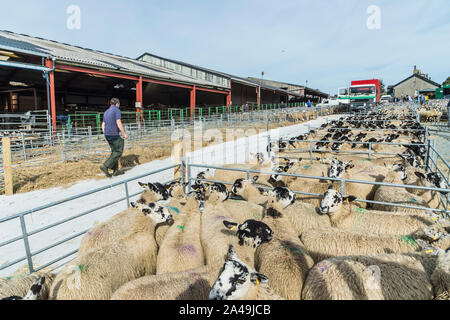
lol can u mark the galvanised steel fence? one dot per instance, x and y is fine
(74, 144)
(26, 234)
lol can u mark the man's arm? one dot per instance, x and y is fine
(119, 124)
(103, 127)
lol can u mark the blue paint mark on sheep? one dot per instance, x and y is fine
(176, 210)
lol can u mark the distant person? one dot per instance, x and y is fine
(111, 126)
(309, 104)
(246, 107)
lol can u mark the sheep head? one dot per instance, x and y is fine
(332, 201)
(251, 233)
(220, 189)
(282, 196)
(156, 188)
(158, 214)
(338, 168)
(236, 280)
(241, 185)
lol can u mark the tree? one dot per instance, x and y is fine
(446, 82)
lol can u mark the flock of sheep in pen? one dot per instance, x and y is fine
(256, 239)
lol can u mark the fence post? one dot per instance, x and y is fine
(90, 139)
(310, 152)
(7, 166)
(127, 194)
(343, 188)
(188, 174)
(63, 147)
(427, 162)
(26, 244)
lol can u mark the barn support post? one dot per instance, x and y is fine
(52, 95)
(192, 100)
(139, 100)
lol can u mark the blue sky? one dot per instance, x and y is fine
(325, 42)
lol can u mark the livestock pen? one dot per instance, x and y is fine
(32, 159)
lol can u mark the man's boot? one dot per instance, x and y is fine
(105, 171)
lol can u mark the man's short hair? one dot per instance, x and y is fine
(115, 101)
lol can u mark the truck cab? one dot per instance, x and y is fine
(363, 97)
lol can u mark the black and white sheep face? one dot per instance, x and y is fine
(235, 279)
(251, 233)
(400, 168)
(158, 214)
(176, 187)
(220, 189)
(241, 185)
(33, 294)
(283, 196)
(275, 178)
(204, 175)
(434, 179)
(338, 168)
(332, 201)
(157, 188)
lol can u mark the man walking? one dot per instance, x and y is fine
(111, 126)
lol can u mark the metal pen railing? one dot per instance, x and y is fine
(343, 181)
(27, 234)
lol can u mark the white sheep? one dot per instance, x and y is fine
(396, 195)
(239, 281)
(284, 259)
(181, 248)
(349, 217)
(378, 277)
(195, 284)
(97, 273)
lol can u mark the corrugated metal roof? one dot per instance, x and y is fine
(223, 74)
(91, 58)
(85, 57)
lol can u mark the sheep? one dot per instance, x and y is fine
(377, 277)
(18, 285)
(232, 176)
(327, 243)
(248, 191)
(34, 293)
(195, 284)
(239, 210)
(441, 276)
(397, 196)
(97, 273)
(239, 281)
(317, 170)
(213, 238)
(284, 260)
(154, 192)
(347, 217)
(181, 248)
(362, 172)
(417, 177)
(119, 226)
